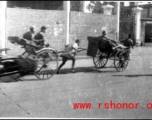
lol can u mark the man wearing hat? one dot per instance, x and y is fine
(40, 37)
(106, 44)
(30, 34)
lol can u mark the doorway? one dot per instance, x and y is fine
(148, 32)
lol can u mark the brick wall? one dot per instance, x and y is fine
(81, 26)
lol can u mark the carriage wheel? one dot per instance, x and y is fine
(47, 64)
(121, 61)
(100, 60)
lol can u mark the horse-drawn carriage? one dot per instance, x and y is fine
(102, 50)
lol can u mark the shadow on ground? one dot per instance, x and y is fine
(9, 79)
(137, 75)
(67, 71)
(86, 70)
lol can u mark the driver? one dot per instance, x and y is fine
(69, 54)
(129, 44)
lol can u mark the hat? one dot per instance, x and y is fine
(32, 27)
(104, 31)
(77, 40)
(43, 27)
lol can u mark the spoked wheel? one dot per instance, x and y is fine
(47, 64)
(100, 60)
(121, 61)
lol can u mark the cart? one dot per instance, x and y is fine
(101, 53)
(14, 65)
(45, 58)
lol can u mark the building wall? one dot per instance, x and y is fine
(144, 13)
(142, 35)
(81, 26)
(127, 23)
(44, 5)
(127, 27)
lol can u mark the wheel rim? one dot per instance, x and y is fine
(44, 73)
(120, 61)
(99, 60)
(47, 64)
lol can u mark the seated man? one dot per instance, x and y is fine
(28, 40)
(105, 44)
(30, 34)
(40, 37)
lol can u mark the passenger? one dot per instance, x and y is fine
(29, 37)
(105, 44)
(30, 34)
(39, 38)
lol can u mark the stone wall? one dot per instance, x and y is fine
(81, 26)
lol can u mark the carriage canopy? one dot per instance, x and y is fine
(95, 43)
